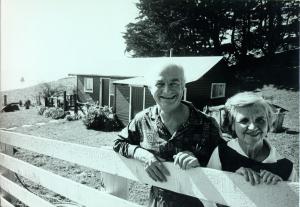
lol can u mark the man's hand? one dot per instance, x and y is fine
(249, 174)
(186, 160)
(153, 165)
(269, 178)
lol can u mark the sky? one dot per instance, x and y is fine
(45, 40)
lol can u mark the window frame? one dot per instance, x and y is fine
(85, 84)
(216, 85)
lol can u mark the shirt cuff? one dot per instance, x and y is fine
(131, 150)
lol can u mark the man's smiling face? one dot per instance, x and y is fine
(167, 88)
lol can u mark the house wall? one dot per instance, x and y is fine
(199, 92)
(84, 96)
(95, 96)
(122, 102)
(149, 101)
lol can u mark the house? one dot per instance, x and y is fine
(93, 88)
(208, 82)
(95, 84)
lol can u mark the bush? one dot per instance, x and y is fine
(11, 107)
(101, 118)
(58, 113)
(54, 113)
(73, 117)
(48, 112)
(41, 110)
(27, 104)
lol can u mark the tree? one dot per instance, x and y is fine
(144, 39)
(231, 28)
(45, 90)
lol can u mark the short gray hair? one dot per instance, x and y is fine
(245, 99)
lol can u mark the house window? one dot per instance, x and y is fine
(217, 90)
(88, 85)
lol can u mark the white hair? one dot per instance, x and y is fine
(151, 76)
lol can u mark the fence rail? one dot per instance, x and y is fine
(206, 184)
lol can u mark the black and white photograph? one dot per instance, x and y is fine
(158, 103)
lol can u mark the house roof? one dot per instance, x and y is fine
(102, 76)
(195, 67)
(137, 81)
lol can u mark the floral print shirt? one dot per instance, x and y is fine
(200, 135)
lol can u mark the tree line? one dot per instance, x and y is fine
(234, 29)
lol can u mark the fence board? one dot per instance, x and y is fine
(5, 203)
(77, 192)
(22, 194)
(93, 157)
(7, 149)
(208, 184)
(115, 185)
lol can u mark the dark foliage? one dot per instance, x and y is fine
(234, 29)
(101, 118)
(11, 107)
(27, 104)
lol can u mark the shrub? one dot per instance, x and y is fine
(11, 107)
(73, 117)
(48, 112)
(58, 113)
(41, 110)
(54, 113)
(27, 104)
(101, 118)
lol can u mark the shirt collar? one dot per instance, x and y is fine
(234, 144)
(194, 116)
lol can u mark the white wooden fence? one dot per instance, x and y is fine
(206, 184)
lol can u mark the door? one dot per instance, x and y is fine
(104, 92)
(137, 95)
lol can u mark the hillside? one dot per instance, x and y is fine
(68, 84)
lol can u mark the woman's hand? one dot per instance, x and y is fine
(249, 174)
(269, 178)
(153, 165)
(186, 160)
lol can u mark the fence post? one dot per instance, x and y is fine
(5, 100)
(46, 101)
(75, 104)
(71, 101)
(52, 102)
(65, 101)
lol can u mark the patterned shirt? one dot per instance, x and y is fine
(200, 134)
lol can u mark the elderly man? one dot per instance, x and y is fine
(172, 130)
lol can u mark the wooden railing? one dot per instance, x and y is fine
(206, 184)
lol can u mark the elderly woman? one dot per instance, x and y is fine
(249, 118)
(172, 130)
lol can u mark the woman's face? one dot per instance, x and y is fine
(250, 125)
